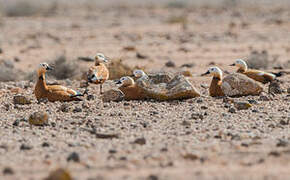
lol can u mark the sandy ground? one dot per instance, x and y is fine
(190, 139)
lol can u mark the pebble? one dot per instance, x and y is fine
(91, 97)
(196, 116)
(282, 143)
(8, 171)
(77, 109)
(232, 110)
(264, 98)
(140, 141)
(38, 119)
(242, 105)
(152, 177)
(64, 107)
(45, 144)
(288, 90)
(73, 157)
(170, 64)
(22, 100)
(16, 122)
(59, 174)
(25, 147)
(275, 88)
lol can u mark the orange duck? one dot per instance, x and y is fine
(257, 75)
(53, 92)
(98, 73)
(215, 88)
(129, 88)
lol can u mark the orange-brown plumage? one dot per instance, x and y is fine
(52, 92)
(130, 90)
(98, 73)
(215, 88)
(257, 75)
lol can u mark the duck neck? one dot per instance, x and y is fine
(41, 83)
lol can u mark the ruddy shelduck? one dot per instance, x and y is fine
(257, 75)
(215, 88)
(52, 92)
(129, 88)
(98, 73)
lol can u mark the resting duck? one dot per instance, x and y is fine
(215, 88)
(52, 92)
(129, 88)
(98, 73)
(257, 75)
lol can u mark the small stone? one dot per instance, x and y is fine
(25, 147)
(45, 144)
(203, 107)
(252, 101)
(152, 177)
(264, 98)
(288, 90)
(242, 105)
(22, 100)
(112, 151)
(140, 141)
(232, 110)
(73, 157)
(170, 64)
(77, 109)
(275, 88)
(190, 156)
(1, 51)
(185, 123)
(282, 143)
(38, 119)
(113, 95)
(284, 122)
(91, 97)
(16, 122)
(274, 153)
(64, 107)
(8, 171)
(141, 56)
(59, 174)
(188, 65)
(196, 116)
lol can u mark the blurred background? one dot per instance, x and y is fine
(153, 35)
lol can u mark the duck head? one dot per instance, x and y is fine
(241, 64)
(43, 68)
(125, 81)
(214, 71)
(139, 73)
(100, 58)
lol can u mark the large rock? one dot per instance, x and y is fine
(113, 95)
(161, 88)
(240, 85)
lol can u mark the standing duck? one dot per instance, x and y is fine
(257, 75)
(98, 73)
(129, 88)
(215, 88)
(52, 92)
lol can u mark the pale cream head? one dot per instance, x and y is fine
(139, 73)
(241, 64)
(42, 68)
(125, 81)
(215, 72)
(100, 58)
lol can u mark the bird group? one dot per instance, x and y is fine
(99, 73)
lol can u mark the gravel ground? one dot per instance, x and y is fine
(201, 138)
